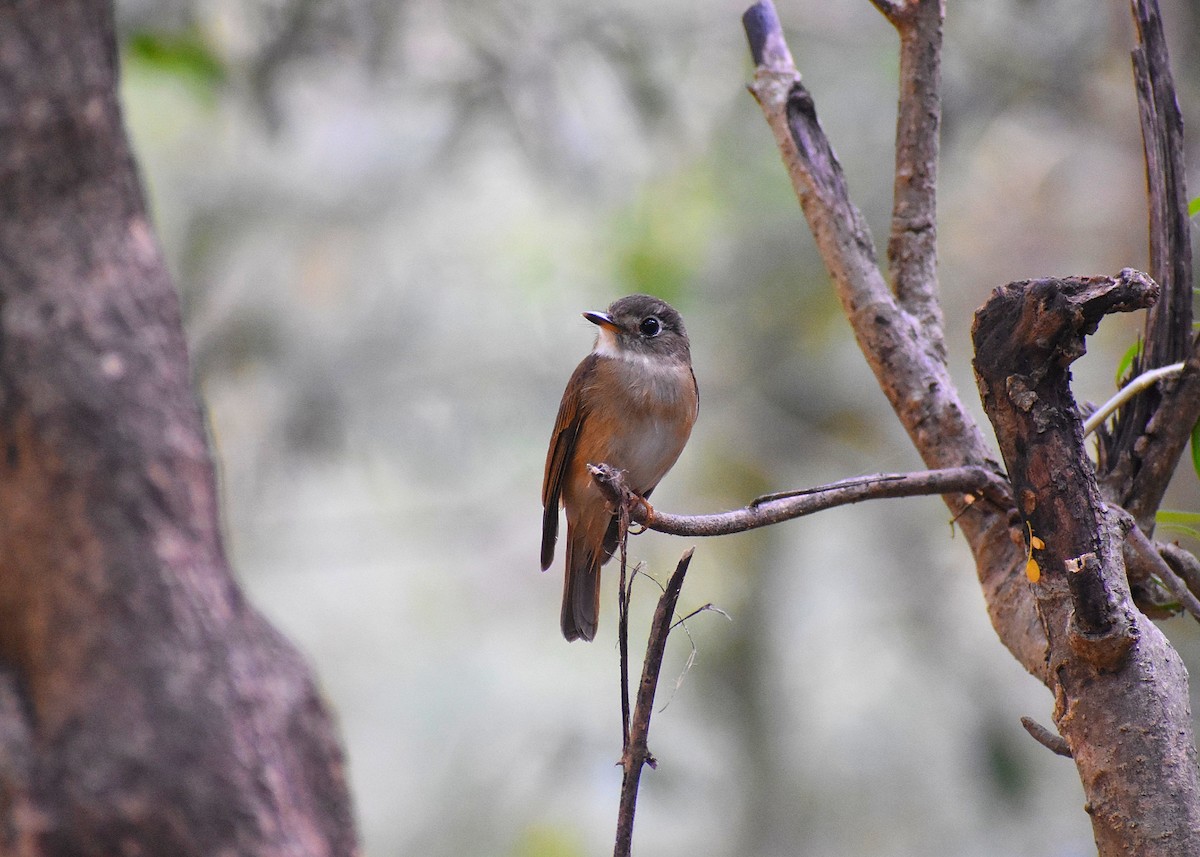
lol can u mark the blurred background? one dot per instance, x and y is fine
(385, 218)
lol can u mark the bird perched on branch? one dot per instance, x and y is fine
(630, 404)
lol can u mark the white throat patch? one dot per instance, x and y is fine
(606, 344)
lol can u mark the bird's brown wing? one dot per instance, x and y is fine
(571, 415)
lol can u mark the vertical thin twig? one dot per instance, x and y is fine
(1151, 431)
(623, 624)
(636, 754)
(1168, 331)
(912, 244)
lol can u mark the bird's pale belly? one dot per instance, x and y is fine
(645, 449)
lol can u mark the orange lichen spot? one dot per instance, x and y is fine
(1033, 571)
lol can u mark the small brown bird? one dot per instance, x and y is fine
(631, 404)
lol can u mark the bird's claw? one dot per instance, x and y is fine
(640, 513)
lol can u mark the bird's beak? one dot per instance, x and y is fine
(603, 319)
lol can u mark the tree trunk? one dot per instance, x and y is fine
(145, 707)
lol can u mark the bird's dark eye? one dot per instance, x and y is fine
(650, 326)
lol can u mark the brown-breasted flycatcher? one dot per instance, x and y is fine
(630, 404)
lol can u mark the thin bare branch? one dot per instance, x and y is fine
(893, 10)
(1177, 586)
(1144, 569)
(1186, 569)
(912, 244)
(838, 226)
(681, 622)
(623, 592)
(637, 754)
(777, 508)
(1163, 442)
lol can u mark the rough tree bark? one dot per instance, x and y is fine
(145, 707)
(1121, 691)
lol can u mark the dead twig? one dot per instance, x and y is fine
(623, 592)
(1052, 741)
(637, 754)
(1151, 431)
(1181, 575)
(776, 508)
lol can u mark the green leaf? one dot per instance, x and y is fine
(1134, 351)
(1194, 207)
(1175, 516)
(1196, 449)
(1187, 523)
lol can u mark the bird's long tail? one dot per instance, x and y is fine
(581, 590)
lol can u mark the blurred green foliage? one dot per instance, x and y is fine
(542, 840)
(665, 232)
(185, 55)
(1179, 522)
(1005, 765)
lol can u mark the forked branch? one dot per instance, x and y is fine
(900, 341)
(1107, 664)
